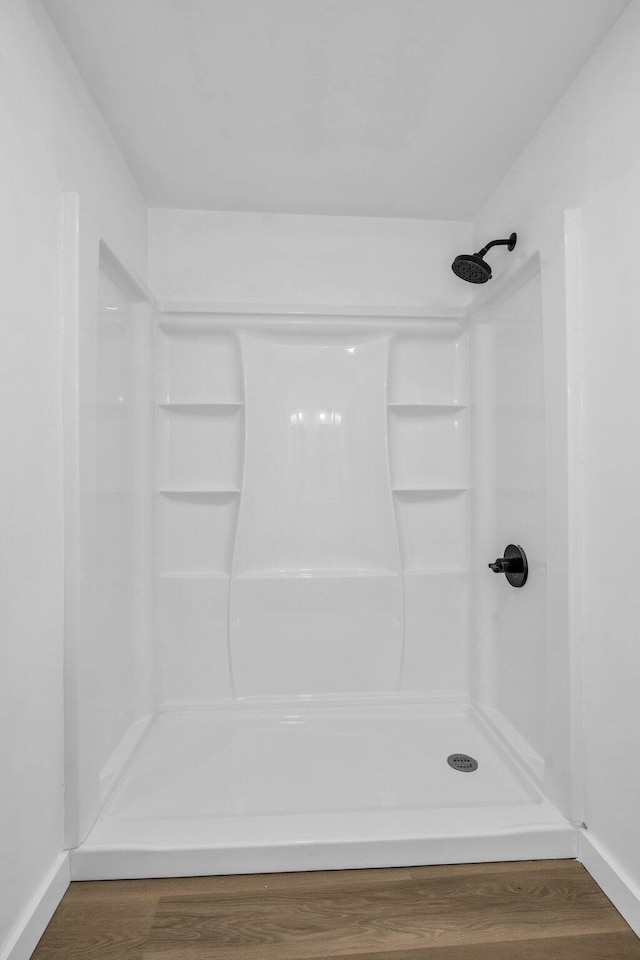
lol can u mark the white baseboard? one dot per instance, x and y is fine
(35, 918)
(623, 893)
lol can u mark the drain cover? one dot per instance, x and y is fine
(462, 762)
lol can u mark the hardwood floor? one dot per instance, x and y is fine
(538, 910)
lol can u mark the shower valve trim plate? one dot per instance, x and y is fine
(513, 564)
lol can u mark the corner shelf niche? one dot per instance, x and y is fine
(200, 440)
(428, 446)
(200, 446)
(428, 451)
(432, 526)
(196, 367)
(196, 530)
(428, 370)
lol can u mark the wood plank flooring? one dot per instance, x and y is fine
(538, 910)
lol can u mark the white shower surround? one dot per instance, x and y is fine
(420, 702)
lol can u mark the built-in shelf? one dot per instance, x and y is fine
(345, 573)
(322, 573)
(429, 491)
(206, 494)
(195, 575)
(214, 407)
(425, 409)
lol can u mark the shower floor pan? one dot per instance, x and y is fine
(261, 788)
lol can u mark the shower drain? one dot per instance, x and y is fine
(462, 762)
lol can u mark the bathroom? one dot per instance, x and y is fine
(317, 556)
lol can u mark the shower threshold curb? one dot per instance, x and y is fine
(540, 842)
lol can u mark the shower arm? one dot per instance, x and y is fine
(509, 242)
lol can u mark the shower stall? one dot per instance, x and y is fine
(281, 618)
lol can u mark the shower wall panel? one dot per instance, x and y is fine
(107, 509)
(113, 692)
(316, 592)
(312, 505)
(510, 489)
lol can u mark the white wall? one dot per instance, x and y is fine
(277, 258)
(52, 140)
(587, 156)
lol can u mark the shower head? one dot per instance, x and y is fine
(473, 268)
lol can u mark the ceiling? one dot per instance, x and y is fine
(408, 108)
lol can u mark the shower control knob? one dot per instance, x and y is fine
(513, 564)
